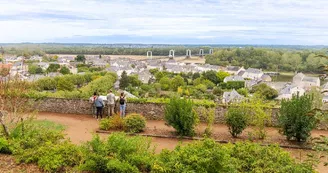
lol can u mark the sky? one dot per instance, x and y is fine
(282, 22)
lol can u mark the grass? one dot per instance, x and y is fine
(49, 125)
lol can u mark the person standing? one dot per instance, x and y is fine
(122, 105)
(99, 103)
(110, 103)
(92, 101)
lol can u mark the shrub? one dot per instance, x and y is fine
(4, 146)
(134, 123)
(57, 157)
(217, 91)
(266, 159)
(236, 121)
(118, 153)
(235, 84)
(265, 91)
(295, 120)
(180, 115)
(204, 156)
(112, 123)
(30, 135)
(243, 91)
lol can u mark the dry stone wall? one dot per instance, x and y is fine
(152, 111)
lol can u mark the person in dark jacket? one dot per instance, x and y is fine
(99, 104)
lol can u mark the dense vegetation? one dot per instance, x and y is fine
(270, 59)
(180, 115)
(297, 118)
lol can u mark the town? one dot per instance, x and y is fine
(35, 68)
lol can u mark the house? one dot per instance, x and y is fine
(250, 83)
(324, 88)
(253, 73)
(143, 76)
(234, 70)
(266, 78)
(18, 67)
(232, 96)
(306, 82)
(277, 85)
(289, 91)
(43, 65)
(233, 78)
(36, 58)
(325, 99)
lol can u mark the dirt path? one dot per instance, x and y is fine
(79, 128)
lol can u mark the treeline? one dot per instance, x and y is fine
(29, 50)
(270, 59)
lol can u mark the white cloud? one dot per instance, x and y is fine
(287, 21)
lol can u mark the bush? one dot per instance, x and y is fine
(57, 157)
(236, 121)
(295, 120)
(266, 159)
(217, 91)
(112, 123)
(243, 91)
(180, 115)
(4, 146)
(205, 156)
(134, 123)
(30, 135)
(119, 153)
(265, 91)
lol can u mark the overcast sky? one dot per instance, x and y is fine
(301, 22)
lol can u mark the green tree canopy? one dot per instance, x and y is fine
(221, 75)
(80, 58)
(177, 82)
(124, 81)
(64, 70)
(53, 68)
(165, 83)
(65, 85)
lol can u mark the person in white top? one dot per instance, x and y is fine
(110, 103)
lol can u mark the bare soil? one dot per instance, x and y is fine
(80, 128)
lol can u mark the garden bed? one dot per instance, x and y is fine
(220, 133)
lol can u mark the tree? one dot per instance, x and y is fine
(39, 70)
(236, 120)
(159, 75)
(80, 58)
(65, 85)
(177, 82)
(195, 76)
(221, 75)
(296, 119)
(180, 115)
(263, 90)
(53, 68)
(165, 83)
(124, 81)
(64, 70)
(153, 71)
(134, 80)
(32, 68)
(211, 75)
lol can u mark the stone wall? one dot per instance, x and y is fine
(152, 111)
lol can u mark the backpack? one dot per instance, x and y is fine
(122, 100)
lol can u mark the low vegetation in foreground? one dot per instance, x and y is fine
(45, 145)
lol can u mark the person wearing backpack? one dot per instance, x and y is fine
(122, 101)
(99, 103)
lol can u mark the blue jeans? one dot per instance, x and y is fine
(122, 110)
